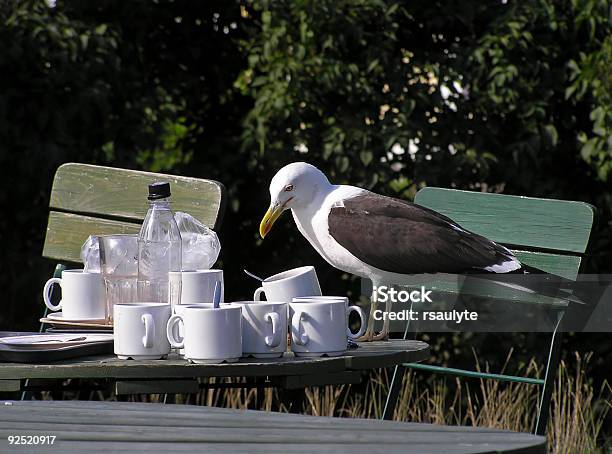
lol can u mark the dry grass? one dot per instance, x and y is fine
(576, 418)
(577, 413)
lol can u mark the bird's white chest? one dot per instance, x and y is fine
(315, 228)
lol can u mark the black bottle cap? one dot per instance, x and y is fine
(159, 190)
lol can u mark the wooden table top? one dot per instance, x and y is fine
(369, 355)
(135, 427)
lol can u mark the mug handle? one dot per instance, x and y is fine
(257, 294)
(170, 331)
(296, 323)
(47, 287)
(362, 327)
(176, 332)
(149, 323)
(273, 340)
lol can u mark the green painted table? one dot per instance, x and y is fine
(136, 427)
(176, 375)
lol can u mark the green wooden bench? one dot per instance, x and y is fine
(89, 199)
(552, 235)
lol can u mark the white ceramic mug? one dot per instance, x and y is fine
(179, 331)
(289, 284)
(345, 300)
(211, 335)
(140, 330)
(83, 295)
(197, 286)
(320, 327)
(264, 328)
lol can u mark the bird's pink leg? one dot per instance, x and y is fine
(384, 334)
(369, 334)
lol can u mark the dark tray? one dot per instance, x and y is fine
(14, 355)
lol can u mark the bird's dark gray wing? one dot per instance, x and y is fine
(401, 237)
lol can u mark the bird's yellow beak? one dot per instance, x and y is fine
(269, 219)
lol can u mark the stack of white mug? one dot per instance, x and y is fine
(318, 325)
(145, 330)
(206, 335)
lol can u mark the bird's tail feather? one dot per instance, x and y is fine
(547, 284)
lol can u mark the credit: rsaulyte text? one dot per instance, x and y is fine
(437, 316)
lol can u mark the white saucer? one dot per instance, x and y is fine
(59, 316)
(47, 340)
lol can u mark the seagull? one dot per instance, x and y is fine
(378, 237)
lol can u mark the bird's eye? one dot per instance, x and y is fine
(288, 188)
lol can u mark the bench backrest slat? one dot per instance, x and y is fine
(562, 265)
(551, 235)
(67, 232)
(535, 224)
(121, 193)
(88, 199)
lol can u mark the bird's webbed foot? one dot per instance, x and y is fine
(371, 336)
(382, 336)
(367, 337)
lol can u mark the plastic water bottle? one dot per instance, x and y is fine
(159, 246)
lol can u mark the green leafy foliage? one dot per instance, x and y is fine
(509, 97)
(393, 96)
(126, 84)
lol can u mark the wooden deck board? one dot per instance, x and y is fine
(126, 427)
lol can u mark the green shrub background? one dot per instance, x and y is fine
(512, 97)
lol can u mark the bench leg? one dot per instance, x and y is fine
(397, 378)
(56, 273)
(552, 364)
(293, 399)
(169, 398)
(394, 390)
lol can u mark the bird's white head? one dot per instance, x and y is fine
(294, 186)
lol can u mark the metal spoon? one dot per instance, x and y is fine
(253, 276)
(217, 295)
